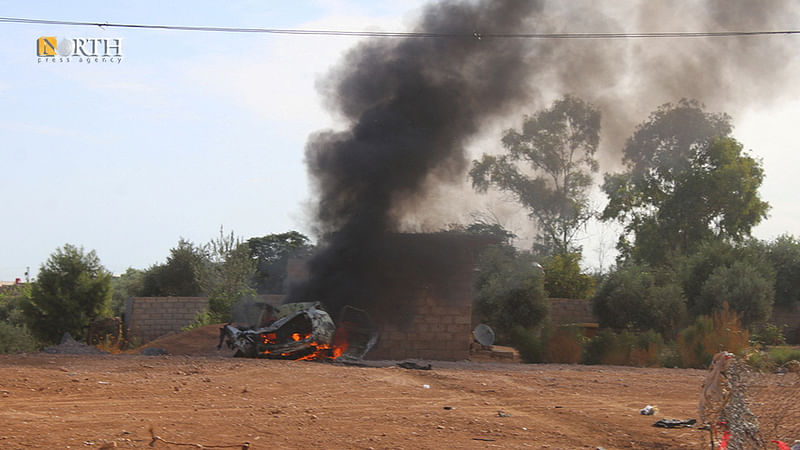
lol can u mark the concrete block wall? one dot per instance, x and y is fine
(570, 310)
(434, 331)
(151, 317)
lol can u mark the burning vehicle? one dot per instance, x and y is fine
(303, 331)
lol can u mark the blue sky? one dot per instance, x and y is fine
(193, 131)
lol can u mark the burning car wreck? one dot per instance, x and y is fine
(303, 331)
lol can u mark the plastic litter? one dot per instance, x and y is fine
(648, 410)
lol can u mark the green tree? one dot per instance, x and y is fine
(510, 290)
(639, 297)
(715, 259)
(563, 277)
(271, 253)
(72, 289)
(559, 144)
(746, 291)
(228, 275)
(685, 183)
(179, 276)
(784, 255)
(129, 284)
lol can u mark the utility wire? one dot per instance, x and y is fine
(411, 34)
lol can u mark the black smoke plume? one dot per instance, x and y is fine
(412, 105)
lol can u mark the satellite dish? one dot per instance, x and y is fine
(483, 334)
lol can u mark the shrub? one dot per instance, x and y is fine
(698, 343)
(624, 349)
(16, 339)
(782, 355)
(769, 334)
(528, 343)
(744, 289)
(510, 290)
(637, 297)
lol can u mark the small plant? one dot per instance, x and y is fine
(770, 335)
(16, 339)
(698, 343)
(782, 355)
(528, 343)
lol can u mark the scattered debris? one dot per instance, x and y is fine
(413, 365)
(154, 351)
(648, 410)
(484, 439)
(675, 423)
(426, 386)
(503, 414)
(448, 408)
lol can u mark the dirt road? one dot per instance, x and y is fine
(65, 401)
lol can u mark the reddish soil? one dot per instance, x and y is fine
(205, 398)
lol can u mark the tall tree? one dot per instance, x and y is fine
(271, 253)
(180, 275)
(686, 182)
(559, 144)
(228, 274)
(72, 289)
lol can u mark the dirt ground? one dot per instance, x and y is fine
(198, 396)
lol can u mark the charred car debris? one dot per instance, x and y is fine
(303, 331)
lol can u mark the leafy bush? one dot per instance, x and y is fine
(784, 255)
(698, 343)
(717, 258)
(563, 277)
(528, 343)
(510, 290)
(16, 339)
(782, 355)
(637, 297)
(769, 334)
(744, 289)
(624, 349)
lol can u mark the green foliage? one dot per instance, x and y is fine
(740, 285)
(698, 343)
(769, 334)
(559, 144)
(72, 290)
(715, 256)
(129, 284)
(685, 183)
(784, 255)
(179, 276)
(510, 290)
(625, 348)
(271, 253)
(637, 296)
(528, 343)
(11, 304)
(228, 275)
(782, 355)
(563, 277)
(16, 339)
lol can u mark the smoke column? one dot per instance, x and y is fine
(413, 105)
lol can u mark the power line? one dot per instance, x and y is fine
(408, 34)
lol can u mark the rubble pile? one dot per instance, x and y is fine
(70, 346)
